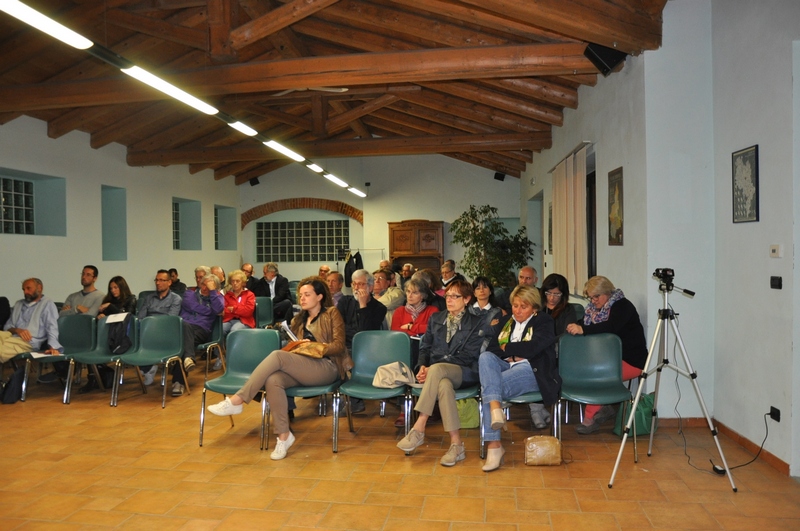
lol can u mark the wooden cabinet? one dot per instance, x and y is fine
(417, 241)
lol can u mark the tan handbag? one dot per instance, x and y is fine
(542, 450)
(393, 375)
(311, 349)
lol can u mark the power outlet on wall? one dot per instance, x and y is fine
(775, 413)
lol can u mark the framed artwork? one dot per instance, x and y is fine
(744, 164)
(550, 228)
(615, 210)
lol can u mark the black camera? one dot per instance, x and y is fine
(664, 274)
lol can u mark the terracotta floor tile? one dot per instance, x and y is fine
(453, 509)
(355, 516)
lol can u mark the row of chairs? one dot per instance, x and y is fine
(590, 366)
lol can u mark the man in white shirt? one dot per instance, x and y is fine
(33, 322)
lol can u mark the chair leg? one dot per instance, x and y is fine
(119, 370)
(202, 415)
(383, 409)
(68, 383)
(335, 401)
(482, 450)
(25, 380)
(347, 408)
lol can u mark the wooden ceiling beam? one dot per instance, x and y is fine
(357, 69)
(261, 170)
(335, 123)
(222, 15)
(616, 24)
(343, 148)
(352, 121)
(537, 89)
(160, 29)
(475, 161)
(275, 20)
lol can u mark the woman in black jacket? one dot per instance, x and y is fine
(119, 298)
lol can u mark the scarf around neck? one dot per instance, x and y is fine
(453, 323)
(600, 315)
(414, 311)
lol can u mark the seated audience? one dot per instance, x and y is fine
(360, 311)
(405, 273)
(275, 286)
(177, 286)
(324, 269)
(388, 295)
(486, 306)
(335, 281)
(251, 279)
(318, 321)
(33, 324)
(555, 295)
(220, 274)
(432, 281)
(609, 311)
(448, 360)
(527, 277)
(5, 311)
(240, 304)
(88, 299)
(199, 310)
(119, 298)
(522, 359)
(162, 302)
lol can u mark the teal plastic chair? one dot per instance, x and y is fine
(214, 342)
(98, 354)
(371, 349)
(160, 343)
(591, 370)
(246, 349)
(140, 299)
(264, 314)
(75, 333)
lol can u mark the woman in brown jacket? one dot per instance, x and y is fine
(320, 322)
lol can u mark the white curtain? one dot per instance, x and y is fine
(570, 253)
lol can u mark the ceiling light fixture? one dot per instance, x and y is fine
(43, 23)
(334, 179)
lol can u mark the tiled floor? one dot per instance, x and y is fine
(86, 465)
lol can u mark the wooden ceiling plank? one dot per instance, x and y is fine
(538, 89)
(159, 28)
(222, 15)
(157, 5)
(319, 115)
(260, 170)
(357, 69)
(482, 18)
(283, 117)
(275, 20)
(612, 23)
(467, 91)
(511, 172)
(133, 121)
(74, 119)
(477, 112)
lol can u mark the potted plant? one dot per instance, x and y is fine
(489, 249)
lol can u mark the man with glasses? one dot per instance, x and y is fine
(527, 277)
(390, 296)
(251, 279)
(324, 269)
(163, 302)
(360, 312)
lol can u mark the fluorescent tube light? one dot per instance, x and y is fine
(45, 24)
(242, 128)
(334, 179)
(315, 168)
(285, 151)
(171, 90)
(356, 191)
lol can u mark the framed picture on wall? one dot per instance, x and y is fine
(744, 164)
(550, 227)
(615, 210)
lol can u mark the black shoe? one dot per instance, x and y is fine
(356, 404)
(291, 414)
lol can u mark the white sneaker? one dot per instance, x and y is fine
(282, 447)
(188, 364)
(225, 408)
(150, 375)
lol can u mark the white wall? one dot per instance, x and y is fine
(752, 50)
(58, 260)
(430, 187)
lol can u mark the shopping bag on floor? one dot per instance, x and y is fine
(643, 417)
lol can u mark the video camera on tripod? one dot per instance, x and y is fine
(665, 275)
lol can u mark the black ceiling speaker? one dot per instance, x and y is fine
(254, 181)
(605, 59)
(500, 176)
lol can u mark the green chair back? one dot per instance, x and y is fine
(579, 310)
(591, 369)
(160, 338)
(141, 297)
(264, 315)
(77, 333)
(247, 348)
(373, 348)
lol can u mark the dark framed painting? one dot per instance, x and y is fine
(615, 211)
(744, 165)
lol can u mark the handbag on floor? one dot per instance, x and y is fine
(542, 450)
(643, 417)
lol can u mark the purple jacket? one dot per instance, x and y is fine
(199, 310)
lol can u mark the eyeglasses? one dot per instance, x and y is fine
(552, 294)
(453, 296)
(161, 280)
(594, 298)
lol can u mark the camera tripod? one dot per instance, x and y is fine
(666, 320)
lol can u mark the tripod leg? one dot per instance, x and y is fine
(693, 378)
(662, 362)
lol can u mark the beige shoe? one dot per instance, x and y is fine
(410, 442)
(454, 455)
(498, 419)
(494, 458)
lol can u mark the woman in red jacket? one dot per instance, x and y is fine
(240, 304)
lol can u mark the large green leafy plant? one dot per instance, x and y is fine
(489, 249)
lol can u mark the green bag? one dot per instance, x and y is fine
(468, 413)
(643, 417)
